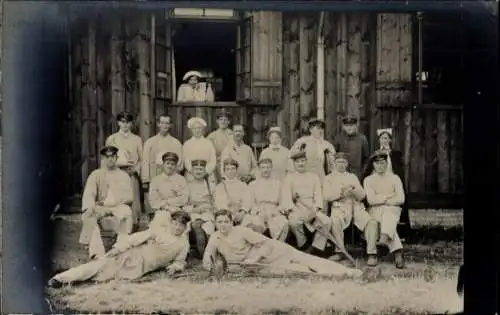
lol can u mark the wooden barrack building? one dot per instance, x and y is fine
(124, 59)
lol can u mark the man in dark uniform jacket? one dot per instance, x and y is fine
(351, 141)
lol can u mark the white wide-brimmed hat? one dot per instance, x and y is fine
(190, 74)
(196, 121)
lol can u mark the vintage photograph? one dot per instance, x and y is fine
(237, 161)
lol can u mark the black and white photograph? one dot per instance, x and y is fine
(238, 160)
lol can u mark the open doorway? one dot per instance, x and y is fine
(207, 46)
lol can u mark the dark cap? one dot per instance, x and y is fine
(317, 122)
(265, 160)
(170, 156)
(298, 155)
(350, 119)
(378, 156)
(125, 116)
(109, 151)
(230, 162)
(222, 113)
(181, 216)
(199, 163)
(341, 155)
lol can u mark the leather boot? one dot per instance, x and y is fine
(398, 259)
(372, 260)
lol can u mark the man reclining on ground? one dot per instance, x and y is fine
(238, 244)
(162, 246)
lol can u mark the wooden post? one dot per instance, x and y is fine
(283, 118)
(293, 74)
(117, 82)
(341, 68)
(152, 52)
(443, 153)
(101, 86)
(330, 75)
(306, 70)
(354, 64)
(144, 75)
(407, 74)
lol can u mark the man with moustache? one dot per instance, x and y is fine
(344, 191)
(302, 203)
(263, 202)
(242, 153)
(154, 149)
(221, 138)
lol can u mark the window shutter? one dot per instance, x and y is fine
(267, 57)
(244, 58)
(163, 62)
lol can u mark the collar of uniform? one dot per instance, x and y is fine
(163, 136)
(124, 134)
(200, 138)
(275, 147)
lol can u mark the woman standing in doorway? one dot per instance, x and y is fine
(194, 91)
(395, 164)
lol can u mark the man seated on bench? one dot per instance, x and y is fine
(385, 195)
(107, 194)
(264, 196)
(345, 193)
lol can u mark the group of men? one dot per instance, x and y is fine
(311, 191)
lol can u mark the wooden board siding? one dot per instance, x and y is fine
(368, 72)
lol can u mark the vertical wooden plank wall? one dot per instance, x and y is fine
(145, 102)
(110, 73)
(299, 74)
(347, 70)
(393, 75)
(267, 46)
(393, 78)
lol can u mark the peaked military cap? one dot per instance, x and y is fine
(350, 119)
(378, 156)
(170, 156)
(341, 155)
(317, 122)
(222, 113)
(298, 155)
(181, 216)
(109, 150)
(230, 162)
(199, 163)
(125, 116)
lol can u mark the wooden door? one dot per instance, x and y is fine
(244, 58)
(162, 81)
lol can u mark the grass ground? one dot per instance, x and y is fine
(426, 286)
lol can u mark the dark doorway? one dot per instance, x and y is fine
(211, 46)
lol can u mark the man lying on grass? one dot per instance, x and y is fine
(241, 245)
(162, 246)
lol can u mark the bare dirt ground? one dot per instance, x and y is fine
(426, 286)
